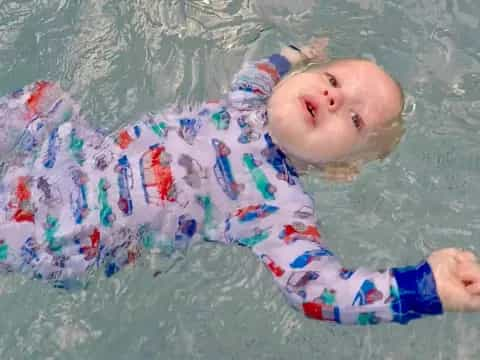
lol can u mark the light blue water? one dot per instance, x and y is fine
(122, 57)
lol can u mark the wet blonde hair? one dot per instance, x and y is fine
(380, 142)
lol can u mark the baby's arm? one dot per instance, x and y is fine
(27, 115)
(288, 241)
(254, 83)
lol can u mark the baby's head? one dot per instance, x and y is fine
(341, 112)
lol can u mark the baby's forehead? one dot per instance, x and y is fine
(364, 72)
(354, 66)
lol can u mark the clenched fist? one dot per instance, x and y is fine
(457, 277)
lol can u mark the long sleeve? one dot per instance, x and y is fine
(253, 84)
(313, 280)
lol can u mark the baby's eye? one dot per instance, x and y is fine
(332, 80)
(357, 121)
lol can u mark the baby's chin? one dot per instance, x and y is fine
(291, 142)
(299, 146)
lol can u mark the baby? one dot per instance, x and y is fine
(73, 200)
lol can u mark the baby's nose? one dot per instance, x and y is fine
(333, 98)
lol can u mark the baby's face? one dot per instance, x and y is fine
(327, 113)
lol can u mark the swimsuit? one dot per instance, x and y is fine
(74, 200)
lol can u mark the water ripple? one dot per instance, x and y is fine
(122, 58)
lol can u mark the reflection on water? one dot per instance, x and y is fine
(123, 58)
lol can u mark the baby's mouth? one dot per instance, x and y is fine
(310, 108)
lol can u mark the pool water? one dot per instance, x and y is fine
(120, 58)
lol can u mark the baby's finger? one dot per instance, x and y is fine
(473, 289)
(469, 272)
(473, 303)
(317, 49)
(465, 256)
(321, 42)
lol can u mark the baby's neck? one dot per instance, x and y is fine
(302, 166)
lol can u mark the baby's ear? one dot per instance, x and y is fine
(341, 172)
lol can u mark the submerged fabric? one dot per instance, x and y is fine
(74, 200)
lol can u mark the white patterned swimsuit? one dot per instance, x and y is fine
(74, 200)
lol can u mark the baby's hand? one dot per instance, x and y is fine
(316, 51)
(457, 276)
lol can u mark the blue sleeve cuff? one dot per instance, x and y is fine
(417, 293)
(281, 64)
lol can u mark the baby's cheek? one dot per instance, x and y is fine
(328, 145)
(282, 120)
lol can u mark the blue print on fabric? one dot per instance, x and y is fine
(308, 256)
(223, 170)
(276, 158)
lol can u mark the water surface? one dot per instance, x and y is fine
(120, 58)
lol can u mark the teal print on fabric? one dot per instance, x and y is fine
(67, 115)
(261, 181)
(107, 217)
(159, 129)
(367, 319)
(3, 250)
(208, 209)
(328, 297)
(145, 234)
(76, 147)
(256, 238)
(221, 119)
(51, 227)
